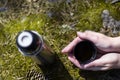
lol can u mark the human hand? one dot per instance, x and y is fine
(104, 45)
(104, 62)
(69, 50)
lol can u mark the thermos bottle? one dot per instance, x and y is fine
(31, 44)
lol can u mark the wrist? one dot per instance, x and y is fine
(117, 64)
(115, 44)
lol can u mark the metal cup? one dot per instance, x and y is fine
(85, 51)
(31, 44)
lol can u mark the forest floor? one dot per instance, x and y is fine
(57, 21)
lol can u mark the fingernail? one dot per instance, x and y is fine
(79, 33)
(69, 58)
(86, 66)
(63, 50)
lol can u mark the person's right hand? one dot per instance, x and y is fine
(103, 43)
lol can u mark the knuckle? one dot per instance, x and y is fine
(87, 31)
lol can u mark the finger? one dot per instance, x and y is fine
(99, 68)
(105, 62)
(95, 63)
(69, 48)
(89, 35)
(92, 33)
(74, 61)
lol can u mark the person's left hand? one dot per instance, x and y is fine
(105, 62)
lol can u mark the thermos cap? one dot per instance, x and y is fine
(29, 43)
(25, 39)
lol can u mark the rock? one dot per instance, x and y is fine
(2, 9)
(105, 17)
(112, 1)
(117, 23)
(109, 23)
(105, 14)
(68, 1)
(53, 1)
(31, 1)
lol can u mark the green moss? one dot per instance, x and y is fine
(91, 17)
(31, 22)
(14, 65)
(59, 33)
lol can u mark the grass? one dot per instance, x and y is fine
(58, 29)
